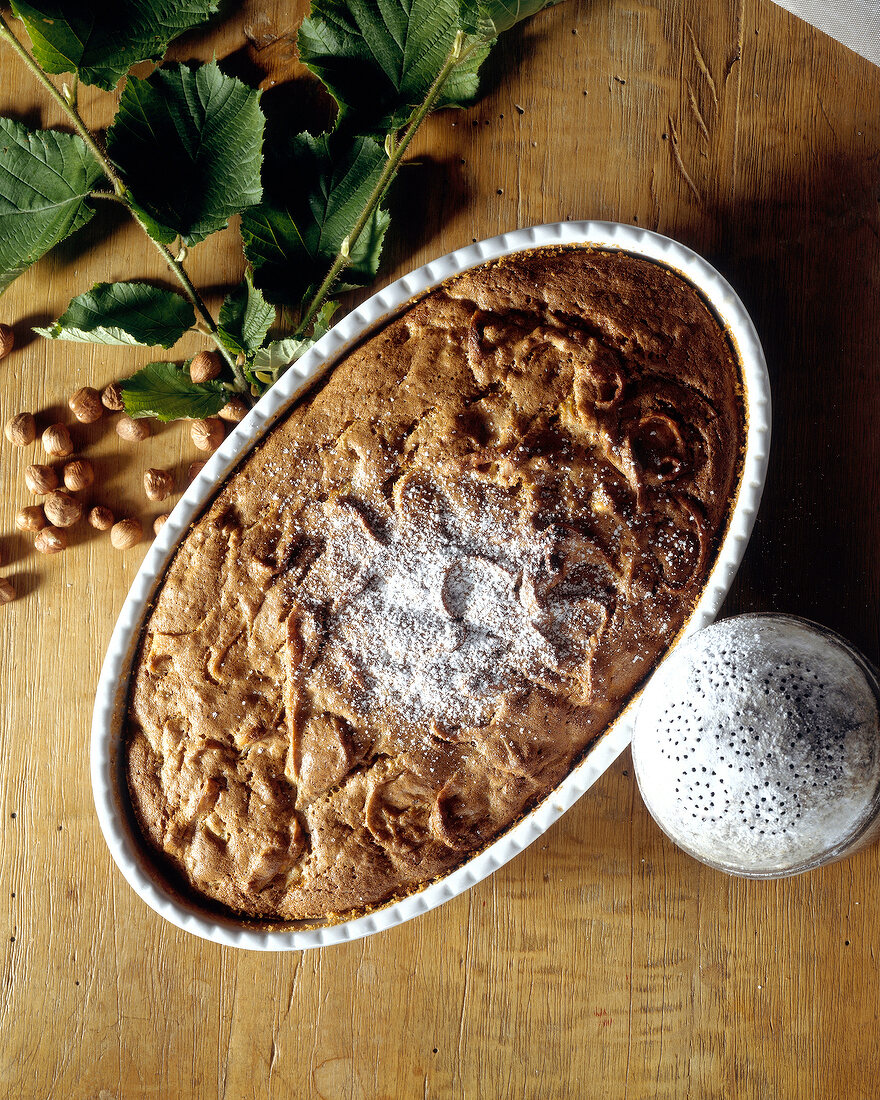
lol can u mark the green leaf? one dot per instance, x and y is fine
(124, 313)
(366, 253)
(166, 391)
(378, 60)
(271, 361)
(493, 17)
(275, 357)
(101, 41)
(316, 189)
(45, 178)
(323, 320)
(245, 318)
(188, 142)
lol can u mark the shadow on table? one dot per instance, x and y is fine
(806, 261)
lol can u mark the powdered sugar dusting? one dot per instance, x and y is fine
(436, 612)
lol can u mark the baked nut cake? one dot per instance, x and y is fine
(414, 606)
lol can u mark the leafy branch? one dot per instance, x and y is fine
(121, 194)
(185, 152)
(396, 148)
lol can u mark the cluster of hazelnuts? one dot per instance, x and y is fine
(60, 483)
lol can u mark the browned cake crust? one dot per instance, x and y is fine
(413, 607)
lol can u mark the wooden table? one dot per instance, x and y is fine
(602, 962)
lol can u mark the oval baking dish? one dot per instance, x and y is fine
(108, 780)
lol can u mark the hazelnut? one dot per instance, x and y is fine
(132, 430)
(126, 533)
(194, 469)
(51, 540)
(111, 398)
(7, 592)
(159, 523)
(30, 518)
(62, 509)
(21, 430)
(86, 405)
(234, 410)
(101, 518)
(206, 366)
(158, 484)
(208, 434)
(57, 441)
(79, 474)
(41, 479)
(7, 340)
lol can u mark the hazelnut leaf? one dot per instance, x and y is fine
(388, 66)
(315, 191)
(124, 313)
(45, 178)
(101, 42)
(378, 61)
(245, 318)
(188, 142)
(167, 392)
(496, 16)
(272, 360)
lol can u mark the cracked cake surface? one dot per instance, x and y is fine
(412, 608)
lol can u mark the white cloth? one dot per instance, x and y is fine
(855, 23)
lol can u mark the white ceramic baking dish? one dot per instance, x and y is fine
(106, 756)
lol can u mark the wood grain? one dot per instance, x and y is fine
(602, 962)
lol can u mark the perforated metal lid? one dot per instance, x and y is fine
(757, 746)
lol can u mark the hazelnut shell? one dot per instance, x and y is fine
(205, 366)
(86, 405)
(126, 533)
(51, 540)
(7, 340)
(158, 484)
(30, 518)
(62, 509)
(78, 474)
(41, 479)
(101, 518)
(208, 434)
(57, 441)
(135, 431)
(21, 429)
(111, 397)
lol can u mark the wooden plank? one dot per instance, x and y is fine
(602, 962)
